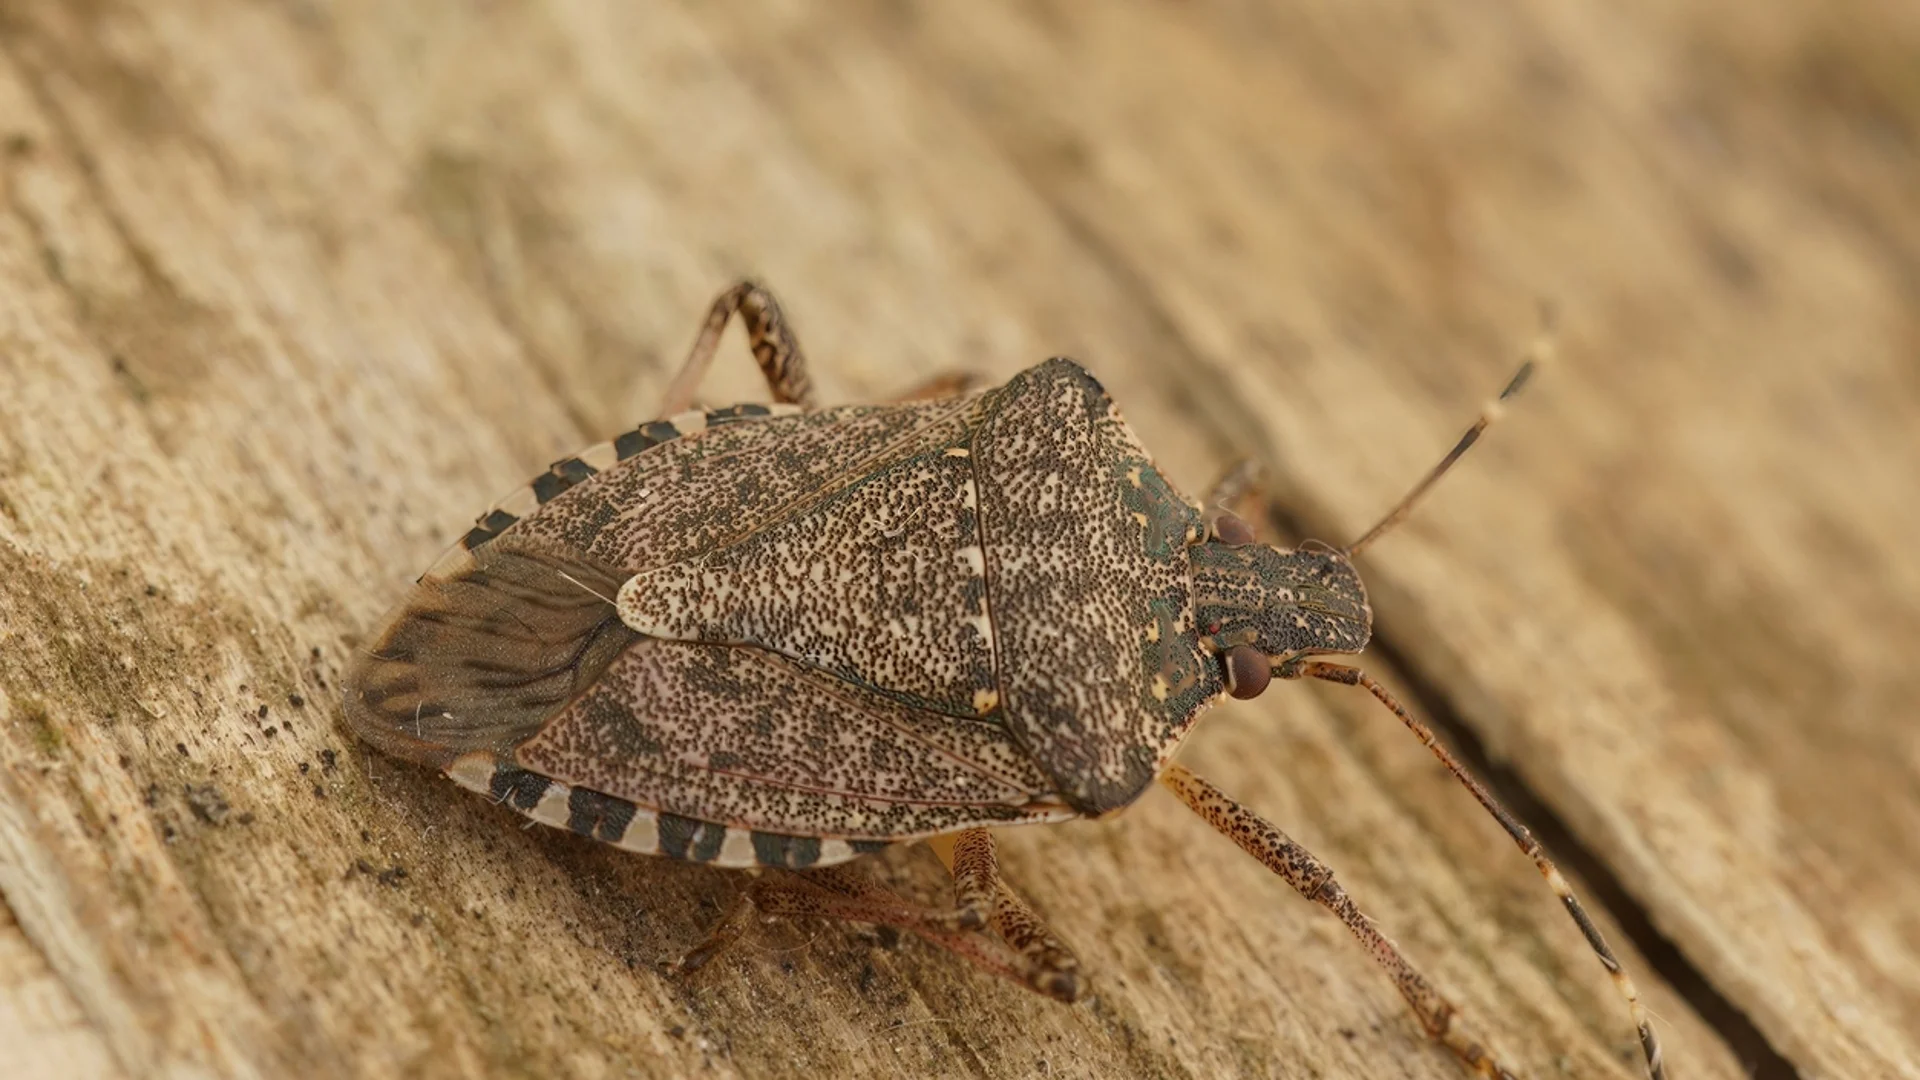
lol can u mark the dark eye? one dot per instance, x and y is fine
(1248, 671)
(1229, 529)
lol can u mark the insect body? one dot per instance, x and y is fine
(785, 636)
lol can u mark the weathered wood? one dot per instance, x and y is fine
(289, 292)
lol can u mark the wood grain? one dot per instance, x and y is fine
(289, 291)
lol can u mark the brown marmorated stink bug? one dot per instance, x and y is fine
(783, 636)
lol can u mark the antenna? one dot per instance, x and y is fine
(1538, 354)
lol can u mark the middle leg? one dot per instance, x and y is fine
(1019, 948)
(1046, 964)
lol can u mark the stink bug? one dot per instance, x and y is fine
(782, 636)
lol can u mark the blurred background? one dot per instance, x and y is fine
(290, 291)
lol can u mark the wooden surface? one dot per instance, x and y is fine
(288, 292)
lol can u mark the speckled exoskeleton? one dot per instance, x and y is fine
(782, 636)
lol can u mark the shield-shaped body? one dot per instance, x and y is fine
(768, 637)
(761, 636)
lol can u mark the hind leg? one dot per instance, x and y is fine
(774, 348)
(1020, 948)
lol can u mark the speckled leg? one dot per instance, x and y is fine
(1314, 880)
(1236, 500)
(1046, 964)
(724, 933)
(841, 892)
(774, 346)
(1037, 959)
(835, 893)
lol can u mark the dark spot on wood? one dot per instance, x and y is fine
(207, 803)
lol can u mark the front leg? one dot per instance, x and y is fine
(1313, 879)
(1237, 498)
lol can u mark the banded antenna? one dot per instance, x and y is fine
(1538, 355)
